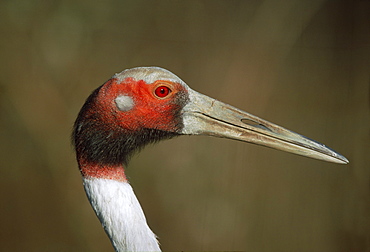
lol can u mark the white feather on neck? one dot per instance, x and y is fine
(121, 215)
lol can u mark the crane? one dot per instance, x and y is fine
(143, 105)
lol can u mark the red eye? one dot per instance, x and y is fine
(162, 91)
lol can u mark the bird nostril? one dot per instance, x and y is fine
(254, 124)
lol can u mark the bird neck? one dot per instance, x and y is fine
(120, 213)
(95, 170)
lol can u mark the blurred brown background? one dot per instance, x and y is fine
(301, 64)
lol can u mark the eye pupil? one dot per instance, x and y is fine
(162, 91)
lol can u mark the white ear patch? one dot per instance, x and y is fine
(124, 102)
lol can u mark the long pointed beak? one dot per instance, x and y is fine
(206, 116)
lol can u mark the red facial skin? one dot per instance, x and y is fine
(149, 110)
(154, 106)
